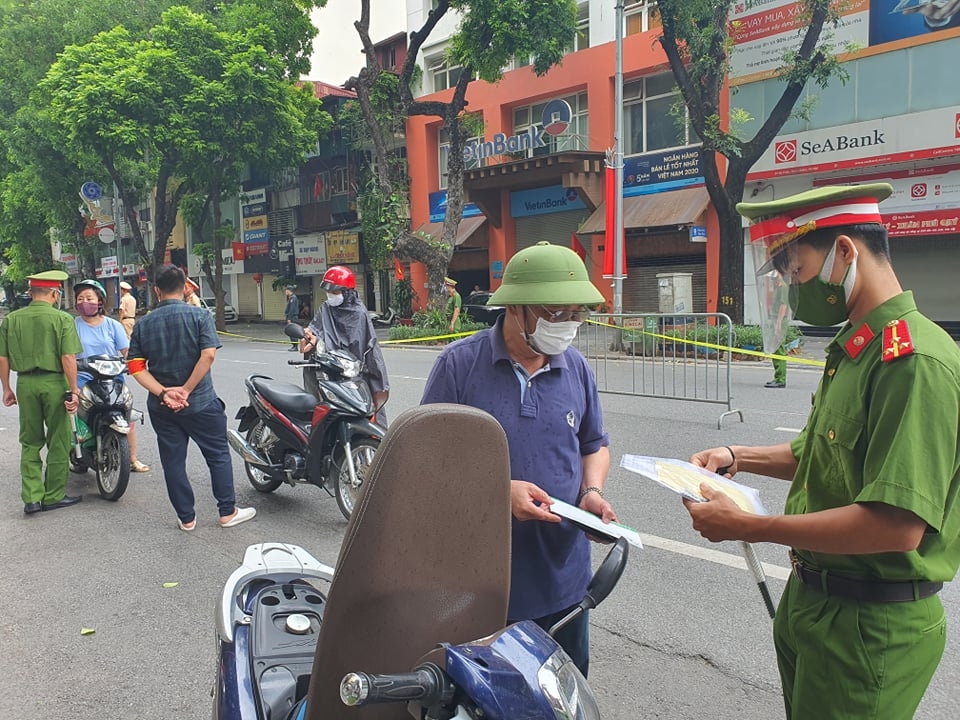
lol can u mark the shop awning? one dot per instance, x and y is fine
(665, 209)
(467, 227)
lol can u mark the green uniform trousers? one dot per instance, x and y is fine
(846, 660)
(40, 399)
(780, 366)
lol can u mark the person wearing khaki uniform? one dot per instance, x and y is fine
(40, 343)
(128, 308)
(872, 516)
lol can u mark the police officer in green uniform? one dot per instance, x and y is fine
(873, 512)
(40, 343)
(453, 304)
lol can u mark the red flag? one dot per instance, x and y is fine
(317, 186)
(577, 247)
(610, 242)
(397, 269)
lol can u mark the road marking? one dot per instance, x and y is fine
(246, 362)
(789, 430)
(714, 556)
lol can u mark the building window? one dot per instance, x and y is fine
(441, 74)
(650, 120)
(581, 39)
(640, 16)
(576, 136)
(339, 180)
(444, 154)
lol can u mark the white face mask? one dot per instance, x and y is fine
(553, 338)
(334, 300)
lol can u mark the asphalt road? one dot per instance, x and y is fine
(685, 634)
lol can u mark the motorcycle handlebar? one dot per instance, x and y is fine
(427, 684)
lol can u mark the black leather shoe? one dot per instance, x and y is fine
(775, 384)
(31, 508)
(67, 501)
(294, 348)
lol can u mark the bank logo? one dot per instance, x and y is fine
(556, 117)
(785, 151)
(956, 126)
(918, 190)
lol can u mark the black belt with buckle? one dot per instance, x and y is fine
(39, 371)
(863, 590)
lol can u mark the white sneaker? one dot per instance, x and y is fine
(240, 515)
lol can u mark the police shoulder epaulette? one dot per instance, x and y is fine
(896, 340)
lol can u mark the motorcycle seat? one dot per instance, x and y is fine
(286, 396)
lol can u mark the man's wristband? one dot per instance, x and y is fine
(586, 491)
(161, 395)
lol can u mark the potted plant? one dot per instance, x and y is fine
(403, 296)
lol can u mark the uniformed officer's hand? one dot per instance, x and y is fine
(719, 518)
(72, 404)
(715, 459)
(524, 497)
(9, 397)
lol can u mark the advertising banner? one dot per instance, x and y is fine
(310, 254)
(438, 207)
(924, 201)
(343, 247)
(899, 138)
(763, 30)
(663, 170)
(543, 201)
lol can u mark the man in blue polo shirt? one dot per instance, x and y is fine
(171, 352)
(524, 373)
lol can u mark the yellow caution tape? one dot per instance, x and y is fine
(723, 348)
(428, 339)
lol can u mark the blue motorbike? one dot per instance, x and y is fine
(412, 622)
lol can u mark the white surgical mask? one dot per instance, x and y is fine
(553, 338)
(334, 300)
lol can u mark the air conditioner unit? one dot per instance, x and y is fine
(145, 226)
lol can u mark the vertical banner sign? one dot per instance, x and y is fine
(610, 242)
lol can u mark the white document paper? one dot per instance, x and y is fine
(593, 524)
(684, 479)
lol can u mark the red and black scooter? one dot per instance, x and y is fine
(287, 436)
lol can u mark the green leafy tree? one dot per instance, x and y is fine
(491, 33)
(696, 39)
(38, 180)
(178, 114)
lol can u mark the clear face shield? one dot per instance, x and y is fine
(776, 295)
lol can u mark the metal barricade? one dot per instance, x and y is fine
(670, 356)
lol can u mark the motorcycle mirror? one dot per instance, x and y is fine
(294, 331)
(601, 584)
(608, 574)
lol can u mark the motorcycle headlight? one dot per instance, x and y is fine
(108, 367)
(566, 689)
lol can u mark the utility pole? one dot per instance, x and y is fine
(618, 166)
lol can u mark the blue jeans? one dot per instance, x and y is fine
(208, 429)
(574, 638)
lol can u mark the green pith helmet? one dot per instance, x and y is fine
(546, 274)
(97, 288)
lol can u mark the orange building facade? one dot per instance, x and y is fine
(526, 184)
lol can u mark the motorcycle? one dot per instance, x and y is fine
(415, 612)
(386, 320)
(102, 425)
(286, 436)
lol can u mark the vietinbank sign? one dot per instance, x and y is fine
(555, 121)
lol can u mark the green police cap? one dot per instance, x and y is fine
(777, 223)
(449, 281)
(546, 274)
(48, 279)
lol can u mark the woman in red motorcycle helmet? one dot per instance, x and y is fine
(343, 322)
